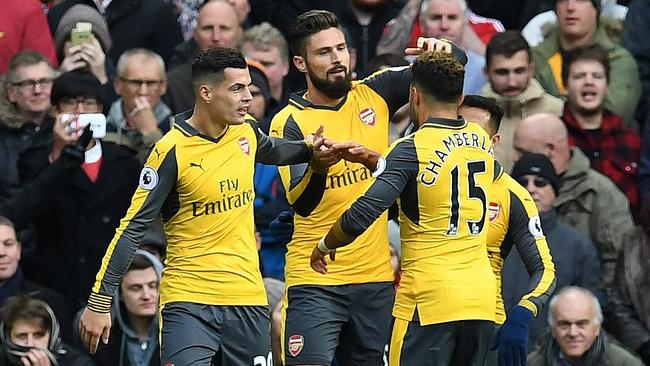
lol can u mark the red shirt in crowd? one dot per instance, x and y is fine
(23, 26)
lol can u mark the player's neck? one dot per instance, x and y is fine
(205, 124)
(317, 97)
(437, 112)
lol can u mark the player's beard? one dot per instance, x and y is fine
(332, 89)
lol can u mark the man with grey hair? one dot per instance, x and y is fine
(448, 19)
(139, 118)
(25, 116)
(586, 200)
(577, 338)
(265, 44)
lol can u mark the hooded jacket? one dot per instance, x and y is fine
(531, 101)
(591, 203)
(123, 339)
(624, 86)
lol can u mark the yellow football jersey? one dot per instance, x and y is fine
(514, 220)
(441, 175)
(203, 187)
(363, 116)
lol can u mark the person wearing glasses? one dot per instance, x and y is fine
(76, 220)
(24, 108)
(139, 118)
(574, 255)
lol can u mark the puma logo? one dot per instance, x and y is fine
(197, 165)
(155, 149)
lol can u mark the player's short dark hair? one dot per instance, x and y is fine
(507, 44)
(487, 104)
(209, 65)
(593, 52)
(308, 24)
(79, 83)
(25, 307)
(439, 75)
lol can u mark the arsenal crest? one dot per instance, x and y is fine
(244, 145)
(494, 210)
(368, 116)
(296, 342)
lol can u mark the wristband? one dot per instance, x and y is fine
(322, 247)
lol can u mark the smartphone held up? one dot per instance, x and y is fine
(97, 122)
(81, 33)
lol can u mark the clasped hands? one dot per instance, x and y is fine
(327, 152)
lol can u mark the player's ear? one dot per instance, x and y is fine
(205, 93)
(415, 95)
(495, 139)
(300, 64)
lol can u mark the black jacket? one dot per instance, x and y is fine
(76, 220)
(16, 135)
(71, 358)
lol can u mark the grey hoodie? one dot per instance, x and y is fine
(129, 341)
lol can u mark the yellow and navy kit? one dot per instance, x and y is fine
(441, 175)
(514, 220)
(203, 187)
(318, 199)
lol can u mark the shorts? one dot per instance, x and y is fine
(204, 335)
(462, 342)
(492, 356)
(350, 321)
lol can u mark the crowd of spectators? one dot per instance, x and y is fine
(577, 98)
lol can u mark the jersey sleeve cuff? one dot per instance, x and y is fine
(99, 303)
(529, 305)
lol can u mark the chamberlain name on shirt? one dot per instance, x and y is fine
(455, 140)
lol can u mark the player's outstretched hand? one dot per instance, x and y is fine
(92, 326)
(323, 155)
(357, 153)
(429, 44)
(512, 338)
(318, 262)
